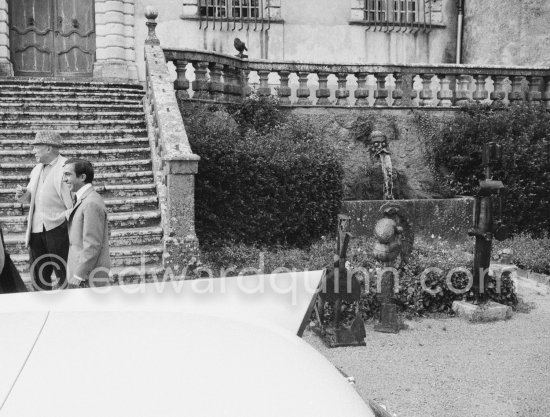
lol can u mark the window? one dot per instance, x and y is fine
(232, 9)
(398, 12)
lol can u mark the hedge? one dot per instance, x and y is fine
(263, 178)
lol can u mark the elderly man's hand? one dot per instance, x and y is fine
(74, 281)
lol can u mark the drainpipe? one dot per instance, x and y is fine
(460, 6)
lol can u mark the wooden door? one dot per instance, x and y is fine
(52, 37)
(31, 36)
(74, 37)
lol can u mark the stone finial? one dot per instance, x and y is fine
(151, 13)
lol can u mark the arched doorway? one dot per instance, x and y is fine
(52, 37)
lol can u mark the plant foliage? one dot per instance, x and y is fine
(263, 177)
(524, 133)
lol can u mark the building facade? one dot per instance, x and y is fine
(104, 38)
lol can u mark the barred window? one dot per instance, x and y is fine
(398, 12)
(236, 9)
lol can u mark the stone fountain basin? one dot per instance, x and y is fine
(445, 218)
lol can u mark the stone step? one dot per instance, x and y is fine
(73, 124)
(81, 143)
(114, 204)
(66, 107)
(17, 224)
(119, 178)
(87, 96)
(28, 101)
(71, 83)
(120, 256)
(15, 242)
(100, 167)
(22, 155)
(70, 87)
(69, 116)
(85, 135)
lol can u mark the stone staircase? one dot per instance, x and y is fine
(103, 123)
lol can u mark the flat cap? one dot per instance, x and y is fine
(48, 137)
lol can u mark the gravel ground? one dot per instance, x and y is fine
(450, 367)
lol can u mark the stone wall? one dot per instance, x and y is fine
(506, 32)
(406, 129)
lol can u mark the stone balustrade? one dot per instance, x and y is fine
(174, 163)
(214, 76)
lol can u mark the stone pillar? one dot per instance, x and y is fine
(381, 93)
(480, 93)
(323, 92)
(303, 91)
(397, 93)
(463, 92)
(426, 94)
(181, 84)
(546, 92)
(129, 19)
(445, 95)
(284, 91)
(498, 94)
(342, 93)
(362, 91)
(264, 90)
(535, 93)
(6, 67)
(115, 54)
(181, 241)
(201, 84)
(516, 96)
(216, 85)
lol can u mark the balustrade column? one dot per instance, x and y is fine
(242, 78)
(516, 96)
(445, 95)
(200, 85)
(342, 93)
(498, 95)
(362, 91)
(323, 92)
(264, 90)
(231, 86)
(463, 93)
(216, 85)
(284, 91)
(181, 84)
(303, 91)
(546, 93)
(381, 93)
(535, 89)
(426, 94)
(397, 94)
(480, 93)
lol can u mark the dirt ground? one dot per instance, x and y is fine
(450, 367)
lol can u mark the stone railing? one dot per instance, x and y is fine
(213, 76)
(174, 163)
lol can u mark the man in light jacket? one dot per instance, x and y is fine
(49, 199)
(89, 261)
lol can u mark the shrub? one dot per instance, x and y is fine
(528, 253)
(524, 133)
(411, 298)
(267, 183)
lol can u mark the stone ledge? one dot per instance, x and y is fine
(490, 311)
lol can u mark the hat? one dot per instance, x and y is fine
(48, 137)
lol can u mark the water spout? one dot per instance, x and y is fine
(379, 148)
